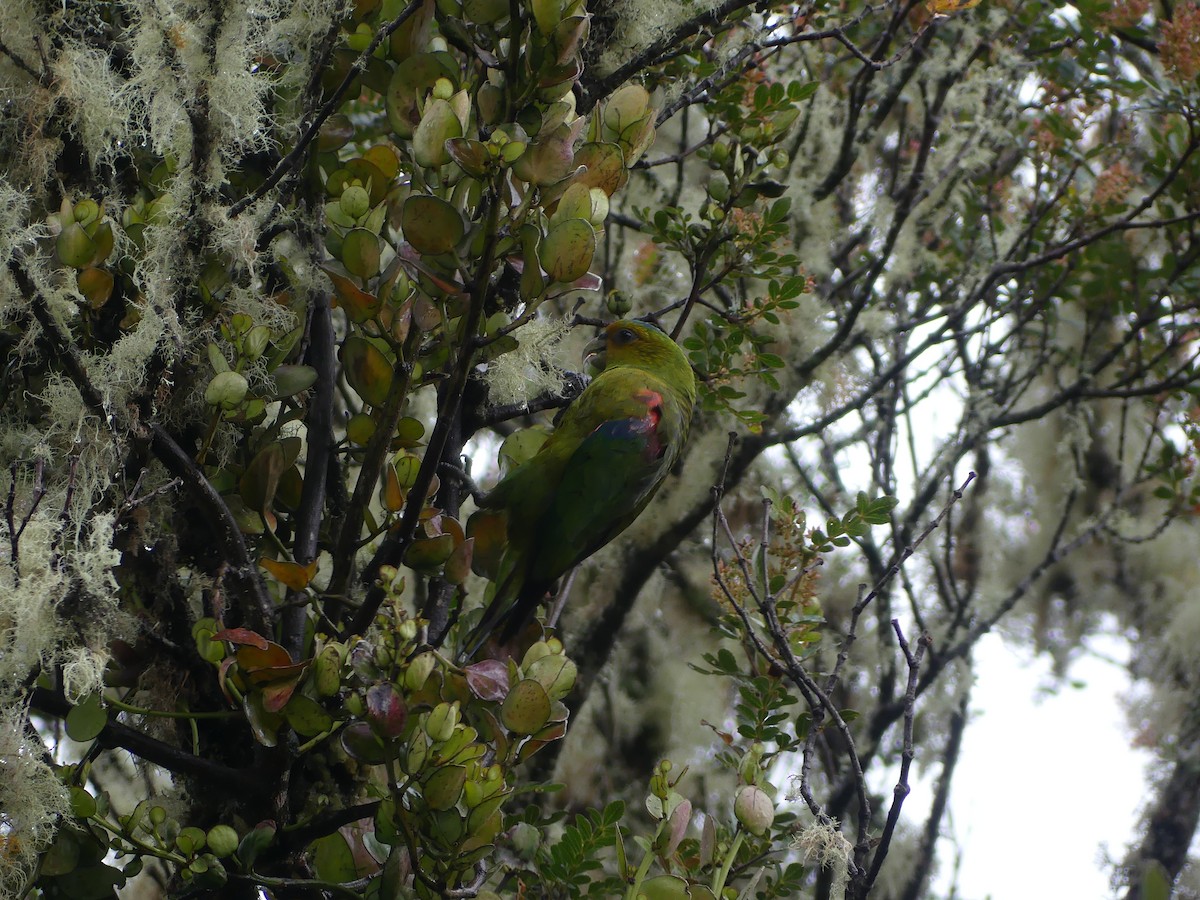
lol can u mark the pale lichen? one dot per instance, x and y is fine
(32, 800)
(533, 368)
(824, 844)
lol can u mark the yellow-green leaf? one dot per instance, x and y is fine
(568, 249)
(367, 370)
(292, 574)
(431, 225)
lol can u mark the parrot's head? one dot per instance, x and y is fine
(641, 345)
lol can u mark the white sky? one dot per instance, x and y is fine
(1045, 782)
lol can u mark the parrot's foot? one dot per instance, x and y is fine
(463, 477)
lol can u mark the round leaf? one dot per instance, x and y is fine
(87, 720)
(488, 679)
(333, 860)
(96, 285)
(428, 554)
(83, 804)
(227, 389)
(363, 744)
(526, 708)
(306, 715)
(74, 246)
(291, 380)
(386, 711)
(409, 432)
(360, 252)
(367, 370)
(445, 787)
(568, 249)
(431, 225)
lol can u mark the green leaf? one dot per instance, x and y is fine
(567, 251)
(431, 225)
(445, 786)
(333, 860)
(1156, 883)
(307, 716)
(87, 720)
(291, 380)
(83, 804)
(526, 708)
(367, 370)
(360, 253)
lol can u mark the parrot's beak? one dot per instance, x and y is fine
(593, 354)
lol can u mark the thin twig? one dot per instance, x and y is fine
(902, 789)
(391, 550)
(865, 600)
(296, 155)
(215, 776)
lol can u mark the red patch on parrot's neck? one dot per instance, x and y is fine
(653, 401)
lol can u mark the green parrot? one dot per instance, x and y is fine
(610, 452)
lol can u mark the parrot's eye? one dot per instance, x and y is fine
(624, 336)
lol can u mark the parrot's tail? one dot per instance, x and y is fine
(510, 609)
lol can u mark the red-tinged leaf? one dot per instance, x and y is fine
(251, 658)
(242, 636)
(488, 680)
(261, 478)
(359, 305)
(494, 732)
(292, 574)
(605, 167)
(451, 526)
(386, 711)
(458, 566)
(223, 675)
(383, 157)
(410, 257)
(586, 282)
(276, 694)
(263, 722)
(360, 742)
(367, 370)
(260, 677)
(489, 531)
(96, 285)
(393, 494)
(426, 555)
(679, 823)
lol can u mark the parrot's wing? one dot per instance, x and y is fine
(606, 482)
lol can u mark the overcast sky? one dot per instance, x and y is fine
(1045, 781)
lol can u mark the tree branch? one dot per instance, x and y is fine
(115, 735)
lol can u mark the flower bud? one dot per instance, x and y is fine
(749, 769)
(355, 201)
(227, 389)
(619, 304)
(526, 839)
(754, 809)
(222, 840)
(442, 719)
(418, 671)
(438, 124)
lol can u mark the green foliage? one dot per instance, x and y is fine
(255, 267)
